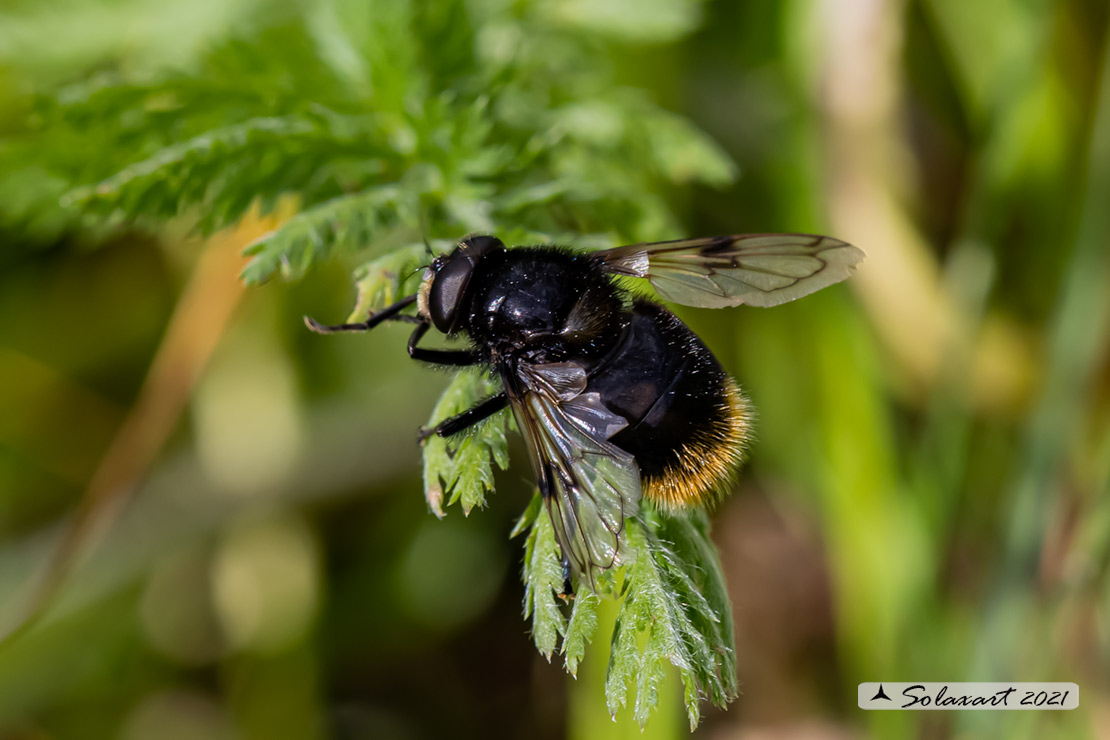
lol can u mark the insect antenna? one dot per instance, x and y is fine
(390, 313)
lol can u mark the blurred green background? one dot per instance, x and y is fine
(927, 499)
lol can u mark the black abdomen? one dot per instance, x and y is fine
(687, 421)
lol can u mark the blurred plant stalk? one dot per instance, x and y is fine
(908, 297)
(933, 320)
(199, 321)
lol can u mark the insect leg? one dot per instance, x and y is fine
(568, 587)
(456, 357)
(390, 313)
(468, 418)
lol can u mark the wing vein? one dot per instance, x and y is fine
(753, 269)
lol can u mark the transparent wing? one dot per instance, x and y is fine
(753, 269)
(588, 484)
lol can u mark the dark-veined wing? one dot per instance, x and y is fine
(589, 485)
(753, 269)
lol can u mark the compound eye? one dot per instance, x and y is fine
(447, 293)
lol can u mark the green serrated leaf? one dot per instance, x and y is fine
(347, 222)
(475, 474)
(666, 618)
(528, 518)
(226, 169)
(382, 281)
(210, 147)
(624, 663)
(543, 582)
(461, 468)
(675, 613)
(694, 551)
(580, 629)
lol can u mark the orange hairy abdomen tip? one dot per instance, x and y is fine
(706, 466)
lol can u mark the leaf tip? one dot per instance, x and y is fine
(256, 245)
(434, 496)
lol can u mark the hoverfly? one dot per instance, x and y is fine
(615, 397)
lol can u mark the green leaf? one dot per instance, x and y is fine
(211, 149)
(461, 468)
(580, 629)
(693, 550)
(382, 281)
(543, 582)
(347, 222)
(683, 153)
(675, 612)
(528, 519)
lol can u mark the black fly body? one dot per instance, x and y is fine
(615, 397)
